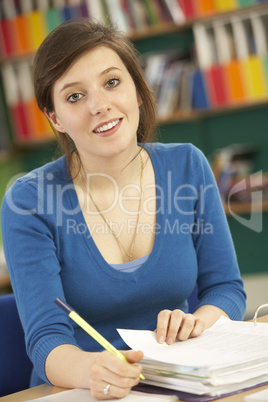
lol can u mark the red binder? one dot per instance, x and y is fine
(217, 86)
(188, 8)
(6, 45)
(19, 119)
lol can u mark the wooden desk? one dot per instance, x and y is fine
(45, 390)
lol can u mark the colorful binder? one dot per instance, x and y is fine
(53, 17)
(6, 45)
(226, 5)
(205, 7)
(254, 76)
(234, 84)
(188, 8)
(216, 85)
(200, 98)
(246, 3)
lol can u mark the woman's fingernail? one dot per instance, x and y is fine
(170, 341)
(161, 339)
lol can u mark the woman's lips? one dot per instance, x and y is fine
(110, 131)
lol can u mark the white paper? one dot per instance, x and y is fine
(225, 343)
(84, 395)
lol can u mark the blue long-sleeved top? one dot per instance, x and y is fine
(50, 253)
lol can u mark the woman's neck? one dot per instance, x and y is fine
(104, 175)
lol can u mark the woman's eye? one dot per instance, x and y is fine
(74, 98)
(113, 82)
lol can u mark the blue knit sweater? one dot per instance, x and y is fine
(50, 253)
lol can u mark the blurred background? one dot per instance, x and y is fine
(207, 64)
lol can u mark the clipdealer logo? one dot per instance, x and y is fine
(252, 185)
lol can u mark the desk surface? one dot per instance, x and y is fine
(45, 389)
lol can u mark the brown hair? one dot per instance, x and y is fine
(68, 42)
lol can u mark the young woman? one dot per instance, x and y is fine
(120, 227)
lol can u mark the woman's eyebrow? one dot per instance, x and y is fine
(71, 84)
(107, 70)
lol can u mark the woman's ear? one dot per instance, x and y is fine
(53, 120)
(140, 102)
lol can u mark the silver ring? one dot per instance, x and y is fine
(106, 389)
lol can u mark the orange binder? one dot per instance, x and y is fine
(24, 37)
(29, 31)
(235, 87)
(43, 129)
(205, 7)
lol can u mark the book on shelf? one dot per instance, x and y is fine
(246, 3)
(169, 73)
(9, 28)
(228, 357)
(235, 164)
(205, 7)
(174, 11)
(95, 10)
(259, 26)
(189, 9)
(117, 15)
(213, 70)
(25, 23)
(5, 144)
(226, 5)
(252, 66)
(232, 54)
(143, 14)
(138, 15)
(35, 22)
(28, 121)
(152, 11)
(185, 104)
(168, 96)
(200, 98)
(231, 67)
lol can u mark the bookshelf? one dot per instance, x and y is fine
(179, 116)
(166, 28)
(208, 128)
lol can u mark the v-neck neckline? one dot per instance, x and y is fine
(92, 247)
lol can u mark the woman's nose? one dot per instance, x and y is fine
(98, 103)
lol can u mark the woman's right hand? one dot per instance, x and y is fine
(111, 377)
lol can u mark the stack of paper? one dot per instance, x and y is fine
(229, 356)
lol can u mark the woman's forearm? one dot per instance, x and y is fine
(69, 367)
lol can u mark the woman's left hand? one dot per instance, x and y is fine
(176, 324)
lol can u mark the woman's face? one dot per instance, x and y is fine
(97, 104)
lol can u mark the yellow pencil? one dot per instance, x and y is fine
(90, 330)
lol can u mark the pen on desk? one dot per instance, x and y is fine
(90, 330)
